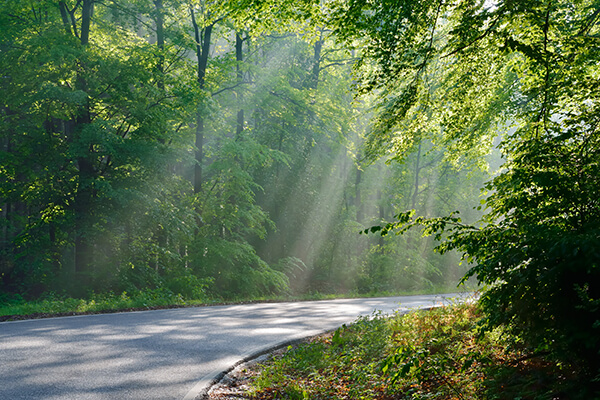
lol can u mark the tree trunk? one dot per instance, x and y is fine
(357, 198)
(64, 16)
(86, 19)
(316, 69)
(413, 203)
(239, 58)
(160, 40)
(202, 50)
(83, 198)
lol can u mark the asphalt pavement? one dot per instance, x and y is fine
(162, 354)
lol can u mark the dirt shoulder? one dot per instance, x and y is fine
(235, 384)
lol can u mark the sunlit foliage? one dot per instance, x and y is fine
(465, 69)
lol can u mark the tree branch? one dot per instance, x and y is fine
(228, 88)
(586, 27)
(544, 109)
(478, 38)
(341, 63)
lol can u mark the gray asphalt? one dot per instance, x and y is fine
(163, 354)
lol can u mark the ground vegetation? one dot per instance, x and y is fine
(437, 354)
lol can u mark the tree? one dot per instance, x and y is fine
(88, 119)
(468, 69)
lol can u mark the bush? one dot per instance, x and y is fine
(189, 286)
(235, 270)
(540, 252)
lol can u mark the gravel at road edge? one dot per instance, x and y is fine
(234, 384)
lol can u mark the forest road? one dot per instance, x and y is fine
(162, 354)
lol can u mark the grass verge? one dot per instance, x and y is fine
(16, 308)
(53, 305)
(437, 354)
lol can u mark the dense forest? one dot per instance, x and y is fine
(237, 147)
(202, 147)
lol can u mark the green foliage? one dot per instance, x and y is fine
(397, 267)
(235, 270)
(459, 73)
(188, 285)
(294, 269)
(53, 303)
(548, 247)
(84, 133)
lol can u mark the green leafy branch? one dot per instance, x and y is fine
(430, 226)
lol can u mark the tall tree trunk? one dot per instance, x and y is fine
(202, 50)
(83, 197)
(316, 69)
(86, 19)
(239, 58)
(160, 40)
(357, 199)
(65, 16)
(413, 203)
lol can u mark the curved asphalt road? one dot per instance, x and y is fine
(163, 354)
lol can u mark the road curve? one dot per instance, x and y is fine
(162, 354)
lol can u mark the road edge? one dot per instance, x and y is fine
(205, 384)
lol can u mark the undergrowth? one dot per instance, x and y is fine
(437, 354)
(51, 303)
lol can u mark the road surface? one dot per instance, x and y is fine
(162, 354)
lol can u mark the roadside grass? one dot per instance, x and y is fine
(437, 354)
(53, 304)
